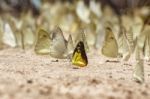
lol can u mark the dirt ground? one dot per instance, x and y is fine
(25, 75)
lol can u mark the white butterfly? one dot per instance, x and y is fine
(95, 8)
(58, 45)
(8, 36)
(138, 73)
(70, 47)
(83, 12)
(82, 37)
(146, 32)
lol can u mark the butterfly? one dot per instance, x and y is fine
(70, 46)
(137, 26)
(128, 44)
(138, 73)
(81, 37)
(15, 25)
(123, 48)
(146, 48)
(58, 45)
(110, 46)
(83, 12)
(29, 36)
(42, 45)
(9, 37)
(79, 57)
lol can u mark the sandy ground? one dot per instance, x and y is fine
(24, 75)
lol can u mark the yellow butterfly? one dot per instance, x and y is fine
(79, 57)
(58, 44)
(42, 45)
(110, 47)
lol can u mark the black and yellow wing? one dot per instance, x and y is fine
(79, 57)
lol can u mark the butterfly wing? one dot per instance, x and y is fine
(128, 45)
(81, 37)
(43, 43)
(83, 12)
(123, 48)
(70, 46)
(110, 47)
(8, 36)
(146, 48)
(145, 32)
(79, 57)
(58, 45)
(138, 74)
(28, 36)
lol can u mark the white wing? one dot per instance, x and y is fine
(9, 37)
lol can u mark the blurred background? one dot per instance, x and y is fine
(25, 17)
